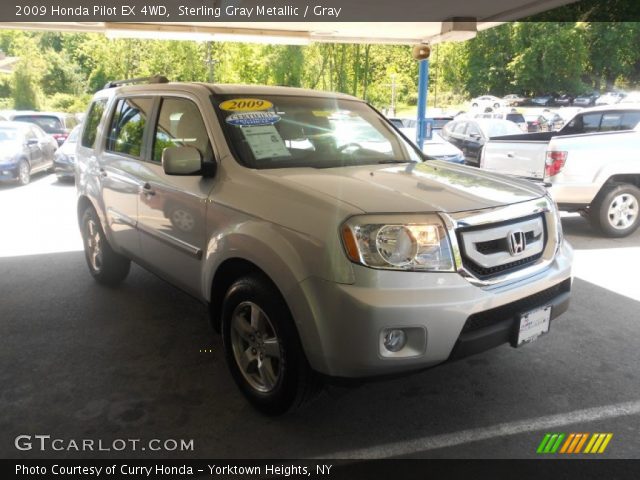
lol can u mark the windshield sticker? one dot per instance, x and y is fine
(265, 142)
(250, 119)
(245, 105)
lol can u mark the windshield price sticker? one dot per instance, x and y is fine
(245, 105)
(265, 142)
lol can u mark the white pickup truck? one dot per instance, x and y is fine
(591, 166)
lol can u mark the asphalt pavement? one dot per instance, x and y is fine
(81, 361)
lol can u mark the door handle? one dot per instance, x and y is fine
(510, 155)
(147, 190)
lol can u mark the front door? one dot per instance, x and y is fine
(172, 209)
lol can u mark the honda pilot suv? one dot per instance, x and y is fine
(322, 240)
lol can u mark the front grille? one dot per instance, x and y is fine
(487, 318)
(488, 272)
(499, 245)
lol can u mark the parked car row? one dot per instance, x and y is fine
(552, 99)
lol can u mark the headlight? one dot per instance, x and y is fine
(389, 243)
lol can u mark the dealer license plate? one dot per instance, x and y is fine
(533, 324)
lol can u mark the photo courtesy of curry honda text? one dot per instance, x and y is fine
(324, 242)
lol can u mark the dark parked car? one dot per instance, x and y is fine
(470, 135)
(564, 100)
(64, 162)
(58, 125)
(24, 149)
(536, 123)
(546, 100)
(586, 100)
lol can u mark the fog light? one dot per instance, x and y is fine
(395, 340)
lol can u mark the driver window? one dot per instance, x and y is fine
(180, 124)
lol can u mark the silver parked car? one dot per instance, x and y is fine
(65, 158)
(321, 239)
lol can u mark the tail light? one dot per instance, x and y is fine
(60, 137)
(554, 162)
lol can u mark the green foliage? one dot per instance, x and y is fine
(65, 102)
(26, 88)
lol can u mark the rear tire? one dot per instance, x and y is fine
(105, 265)
(615, 210)
(262, 348)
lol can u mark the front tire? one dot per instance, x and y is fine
(24, 173)
(105, 265)
(615, 211)
(262, 348)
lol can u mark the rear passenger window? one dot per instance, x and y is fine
(629, 120)
(591, 122)
(92, 122)
(180, 124)
(611, 121)
(127, 126)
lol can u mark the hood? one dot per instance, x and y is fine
(9, 148)
(440, 149)
(68, 148)
(431, 186)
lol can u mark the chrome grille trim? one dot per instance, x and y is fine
(476, 218)
(472, 238)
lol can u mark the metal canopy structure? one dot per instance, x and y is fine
(479, 15)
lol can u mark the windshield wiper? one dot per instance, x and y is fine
(382, 162)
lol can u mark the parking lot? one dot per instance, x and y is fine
(140, 361)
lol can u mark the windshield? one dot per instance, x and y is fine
(73, 136)
(498, 128)
(8, 134)
(49, 124)
(279, 131)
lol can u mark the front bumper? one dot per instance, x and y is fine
(341, 325)
(9, 171)
(64, 170)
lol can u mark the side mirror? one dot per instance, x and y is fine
(181, 161)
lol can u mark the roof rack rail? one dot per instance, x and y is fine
(130, 81)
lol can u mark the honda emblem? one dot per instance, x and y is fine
(517, 242)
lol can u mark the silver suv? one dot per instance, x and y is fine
(323, 242)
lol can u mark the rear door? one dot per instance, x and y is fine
(35, 150)
(120, 168)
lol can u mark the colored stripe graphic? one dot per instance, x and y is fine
(598, 443)
(550, 443)
(573, 443)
